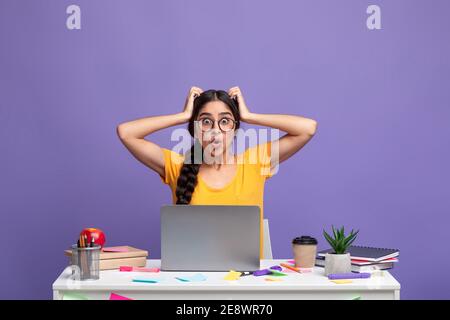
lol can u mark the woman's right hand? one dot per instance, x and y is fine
(189, 104)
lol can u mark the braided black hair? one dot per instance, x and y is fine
(187, 180)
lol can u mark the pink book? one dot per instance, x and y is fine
(116, 249)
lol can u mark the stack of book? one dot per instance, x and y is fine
(115, 257)
(365, 259)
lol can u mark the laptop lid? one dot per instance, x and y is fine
(210, 237)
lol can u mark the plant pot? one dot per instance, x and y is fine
(337, 263)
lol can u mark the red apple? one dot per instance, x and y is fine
(96, 234)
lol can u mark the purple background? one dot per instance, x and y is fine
(379, 161)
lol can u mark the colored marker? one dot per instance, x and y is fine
(146, 280)
(276, 268)
(262, 272)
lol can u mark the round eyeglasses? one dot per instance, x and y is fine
(225, 124)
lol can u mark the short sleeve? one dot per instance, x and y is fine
(261, 155)
(172, 165)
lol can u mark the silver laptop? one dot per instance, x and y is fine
(210, 237)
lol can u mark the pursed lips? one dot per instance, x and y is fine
(216, 141)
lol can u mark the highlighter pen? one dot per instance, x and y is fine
(137, 269)
(350, 275)
(262, 272)
(278, 268)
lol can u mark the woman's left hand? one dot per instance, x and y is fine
(235, 92)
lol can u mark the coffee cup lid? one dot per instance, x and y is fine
(304, 240)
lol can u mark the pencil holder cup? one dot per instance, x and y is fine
(86, 263)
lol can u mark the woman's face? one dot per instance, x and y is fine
(216, 128)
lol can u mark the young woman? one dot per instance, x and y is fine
(220, 177)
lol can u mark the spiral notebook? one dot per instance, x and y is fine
(366, 253)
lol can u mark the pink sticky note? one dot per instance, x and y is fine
(286, 270)
(291, 261)
(115, 249)
(114, 296)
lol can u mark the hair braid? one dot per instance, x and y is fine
(187, 179)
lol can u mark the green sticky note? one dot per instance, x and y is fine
(357, 298)
(277, 273)
(74, 296)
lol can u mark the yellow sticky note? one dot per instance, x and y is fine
(341, 281)
(233, 275)
(273, 279)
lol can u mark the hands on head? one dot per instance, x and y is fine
(234, 93)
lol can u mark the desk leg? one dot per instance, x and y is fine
(57, 295)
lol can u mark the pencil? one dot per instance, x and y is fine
(82, 255)
(290, 267)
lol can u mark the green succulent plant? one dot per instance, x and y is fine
(339, 242)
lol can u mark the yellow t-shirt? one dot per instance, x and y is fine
(246, 188)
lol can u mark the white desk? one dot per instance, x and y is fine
(294, 286)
